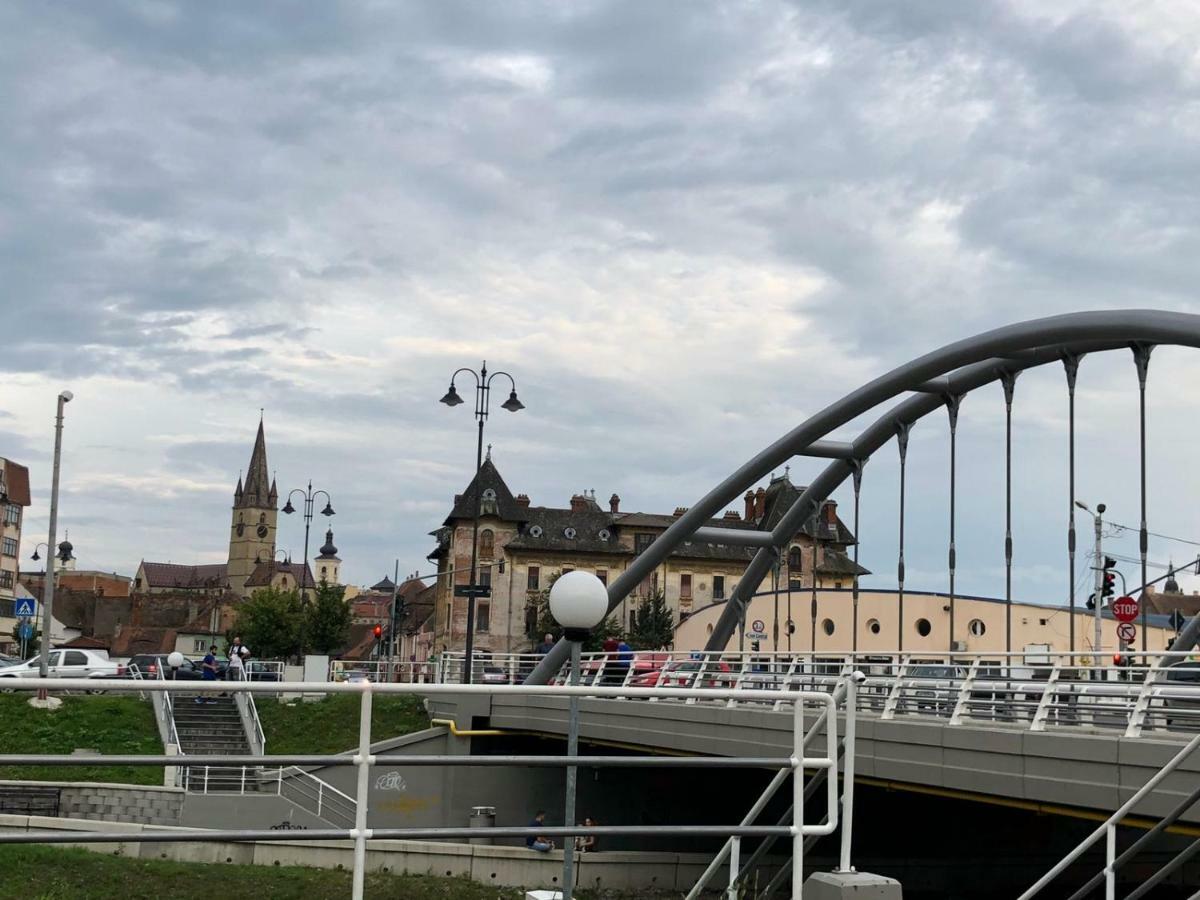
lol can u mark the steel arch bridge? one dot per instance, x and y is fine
(937, 380)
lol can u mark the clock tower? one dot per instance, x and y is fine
(252, 529)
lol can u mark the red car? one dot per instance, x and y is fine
(683, 673)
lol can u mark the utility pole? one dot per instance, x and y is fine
(43, 699)
(1097, 518)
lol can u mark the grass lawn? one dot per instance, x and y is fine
(110, 724)
(331, 725)
(65, 873)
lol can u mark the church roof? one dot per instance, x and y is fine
(487, 479)
(169, 575)
(257, 490)
(265, 571)
(385, 585)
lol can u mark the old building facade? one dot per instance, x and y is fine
(522, 548)
(14, 499)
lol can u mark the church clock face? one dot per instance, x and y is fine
(262, 531)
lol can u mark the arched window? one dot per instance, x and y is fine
(487, 543)
(795, 560)
(262, 518)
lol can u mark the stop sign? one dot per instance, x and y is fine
(1125, 609)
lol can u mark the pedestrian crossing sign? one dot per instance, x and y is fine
(25, 608)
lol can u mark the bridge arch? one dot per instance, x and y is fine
(938, 380)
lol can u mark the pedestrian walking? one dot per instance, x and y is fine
(208, 672)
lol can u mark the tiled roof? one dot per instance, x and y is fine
(132, 641)
(169, 575)
(782, 494)
(15, 478)
(86, 643)
(547, 529)
(264, 572)
(504, 506)
(385, 585)
(834, 562)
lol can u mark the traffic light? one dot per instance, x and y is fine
(378, 632)
(1110, 578)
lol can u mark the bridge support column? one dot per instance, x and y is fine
(847, 885)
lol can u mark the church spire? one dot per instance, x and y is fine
(257, 490)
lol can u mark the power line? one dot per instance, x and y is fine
(1165, 537)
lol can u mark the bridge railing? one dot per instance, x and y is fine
(1155, 692)
(805, 704)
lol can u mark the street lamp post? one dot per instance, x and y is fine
(42, 699)
(309, 496)
(483, 387)
(578, 602)
(1097, 516)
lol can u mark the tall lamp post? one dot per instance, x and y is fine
(578, 602)
(1098, 520)
(309, 496)
(483, 388)
(42, 699)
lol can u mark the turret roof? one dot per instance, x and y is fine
(256, 491)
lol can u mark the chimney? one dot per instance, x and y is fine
(614, 504)
(831, 513)
(679, 511)
(732, 515)
(523, 501)
(579, 503)
(749, 498)
(760, 503)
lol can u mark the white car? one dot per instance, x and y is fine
(68, 664)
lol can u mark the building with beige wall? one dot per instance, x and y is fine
(979, 624)
(522, 548)
(14, 499)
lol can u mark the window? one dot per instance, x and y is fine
(12, 514)
(718, 587)
(794, 584)
(262, 518)
(923, 627)
(567, 569)
(487, 543)
(1043, 621)
(685, 587)
(602, 574)
(641, 542)
(977, 627)
(483, 617)
(6, 578)
(449, 614)
(10, 547)
(75, 658)
(324, 572)
(198, 646)
(837, 585)
(827, 626)
(485, 575)
(873, 626)
(534, 578)
(137, 584)
(795, 560)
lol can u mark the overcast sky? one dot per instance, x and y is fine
(682, 227)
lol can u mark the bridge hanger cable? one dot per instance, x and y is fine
(1008, 381)
(858, 467)
(1071, 366)
(952, 403)
(1141, 358)
(901, 444)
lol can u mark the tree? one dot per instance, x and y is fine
(328, 620)
(272, 624)
(652, 626)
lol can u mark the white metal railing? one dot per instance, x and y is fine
(1158, 692)
(1108, 831)
(313, 794)
(265, 670)
(363, 759)
(166, 707)
(382, 671)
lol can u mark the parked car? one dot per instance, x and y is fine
(356, 676)
(683, 673)
(494, 675)
(148, 664)
(68, 664)
(936, 687)
(1183, 673)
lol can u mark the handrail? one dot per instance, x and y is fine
(1109, 828)
(326, 795)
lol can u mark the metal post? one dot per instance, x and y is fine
(735, 864)
(392, 630)
(308, 514)
(568, 879)
(858, 467)
(902, 444)
(812, 645)
(363, 760)
(952, 403)
(1141, 356)
(851, 707)
(1008, 381)
(1071, 364)
(798, 796)
(1099, 566)
(481, 404)
(48, 589)
(1110, 870)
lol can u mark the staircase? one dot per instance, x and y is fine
(213, 728)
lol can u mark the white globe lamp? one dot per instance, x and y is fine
(578, 602)
(175, 660)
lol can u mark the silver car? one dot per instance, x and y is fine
(68, 664)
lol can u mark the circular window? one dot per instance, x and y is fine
(569, 533)
(603, 535)
(873, 626)
(489, 494)
(827, 626)
(976, 627)
(535, 531)
(923, 627)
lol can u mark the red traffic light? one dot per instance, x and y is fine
(378, 631)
